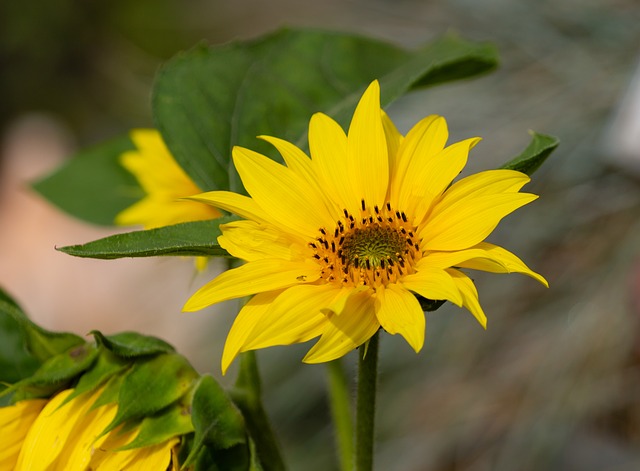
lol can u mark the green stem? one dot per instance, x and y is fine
(247, 396)
(366, 405)
(341, 413)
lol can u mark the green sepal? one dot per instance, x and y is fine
(220, 435)
(534, 155)
(132, 344)
(92, 185)
(55, 373)
(207, 100)
(151, 385)
(186, 239)
(170, 422)
(106, 366)
(41, 343)
(111, 391)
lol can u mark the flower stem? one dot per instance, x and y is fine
(341, 413)
(247, 396)
(366, 404)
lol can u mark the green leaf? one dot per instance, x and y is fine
(93, 186)
(152, 385)
(41, 343)
(166, 424)
(207, 100)
(186, 239)
(219, 426)
(534, 155)
(132, 344)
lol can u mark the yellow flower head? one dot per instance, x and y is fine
(337, 245)
(164, 183)
(68, 435)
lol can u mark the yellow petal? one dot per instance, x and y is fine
(153, 211)
(108, 458)
(87, 436)
(504, 258)
(485, 257)
(253, 277)
(468, 221)
(51, 431)
(399, 312)
(15, 422)
(328, 146)
(368, 161)
(282, 194)
(241, 205)
(426, 180)
(432, 283)
(294, 317)
(244, 323)
(485, 183)
(250, 241)
(469, 295)
(344, 332)
(393, 138)
(301, 165)
(430, 134)
(163, 181)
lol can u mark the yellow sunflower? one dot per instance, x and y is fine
(57, 434)
(164, 183)
(337, 245)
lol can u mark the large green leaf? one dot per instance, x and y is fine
(189, 238)
(207, 100)
(93, 185)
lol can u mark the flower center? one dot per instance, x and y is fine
(376, 248)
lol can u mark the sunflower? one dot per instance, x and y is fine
(67, 433)
(338, 245)
(163, 182)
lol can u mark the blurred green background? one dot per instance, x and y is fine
(553, 384)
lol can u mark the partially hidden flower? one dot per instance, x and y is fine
(164, 183)
(338, 245)
(61, 434)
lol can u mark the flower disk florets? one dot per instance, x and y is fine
(373, 249)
